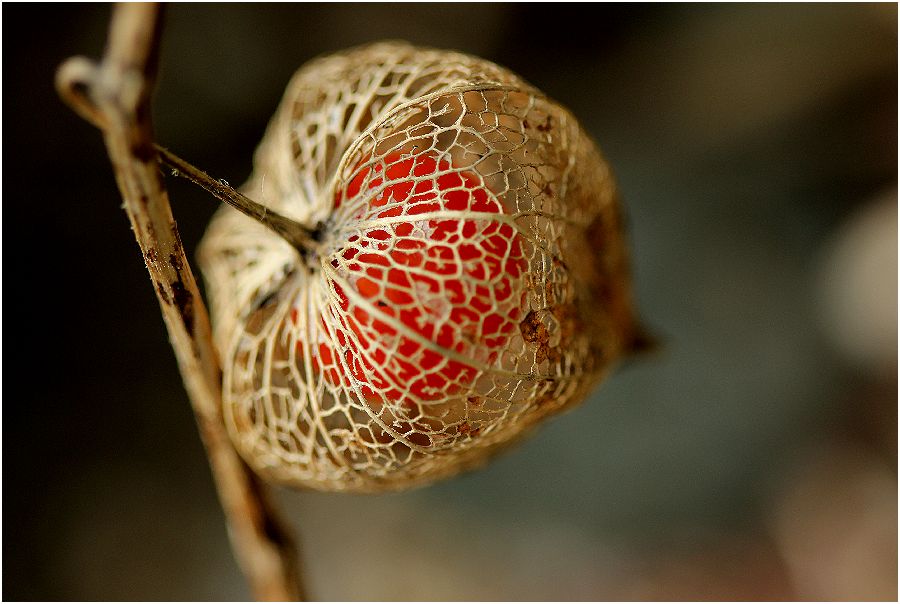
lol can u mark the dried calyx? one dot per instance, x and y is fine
(471, 279)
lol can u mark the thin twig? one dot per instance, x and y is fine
(115, 96)
(291, 231)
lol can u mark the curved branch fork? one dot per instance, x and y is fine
(114, 95)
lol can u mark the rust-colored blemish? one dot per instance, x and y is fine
(184, 300)
(163, 293)
(533, 330)
(547, 125)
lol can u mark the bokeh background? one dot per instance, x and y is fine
(754, 457)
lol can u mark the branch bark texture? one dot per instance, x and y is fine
(115, 96)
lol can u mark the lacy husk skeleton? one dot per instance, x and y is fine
(468, 275)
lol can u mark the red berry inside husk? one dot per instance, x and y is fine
(451, 279)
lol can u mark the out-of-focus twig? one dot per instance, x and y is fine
(115, 95)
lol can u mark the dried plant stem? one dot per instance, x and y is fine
(115, 96)
(293, 232)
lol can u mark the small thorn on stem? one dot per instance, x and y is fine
(298, 235)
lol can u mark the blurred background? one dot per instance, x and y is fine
(754, 457)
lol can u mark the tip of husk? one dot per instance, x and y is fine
(643, 342)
